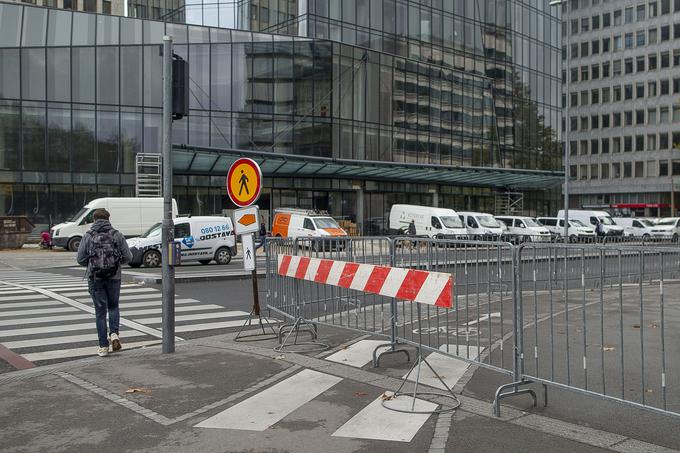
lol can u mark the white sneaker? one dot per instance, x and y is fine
(103, 352)
(115, 342)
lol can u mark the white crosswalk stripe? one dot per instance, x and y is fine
(46, 317)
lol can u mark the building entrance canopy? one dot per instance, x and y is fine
(196, 160)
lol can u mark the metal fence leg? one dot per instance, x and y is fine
(393, 345)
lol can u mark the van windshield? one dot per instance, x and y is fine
(577, 223)
(606, 220)
(153, 231)
(646, 222)
(670, 221)
(452, 221)
(488, 221)
(326, 222)
(78, 214)
(529, 222)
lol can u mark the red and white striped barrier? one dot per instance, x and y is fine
(432, 288)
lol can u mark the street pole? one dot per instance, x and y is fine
(167, 232)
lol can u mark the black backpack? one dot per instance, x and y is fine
(104, 254)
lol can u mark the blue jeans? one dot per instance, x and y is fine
(105, 296)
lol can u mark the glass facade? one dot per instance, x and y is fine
(80, 96)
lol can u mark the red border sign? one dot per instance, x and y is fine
(240, 201)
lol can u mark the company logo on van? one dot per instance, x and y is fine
(188, 241)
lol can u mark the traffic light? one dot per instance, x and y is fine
(180, 88)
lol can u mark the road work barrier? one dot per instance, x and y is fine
(598, 319)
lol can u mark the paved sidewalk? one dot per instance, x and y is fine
(217, 395)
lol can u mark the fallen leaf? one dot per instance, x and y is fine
(649, 391)
(386, 397)
(138, 390)
(654, 325)
(608, 348)
(280, 357)
(360, 394)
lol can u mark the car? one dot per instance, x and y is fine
(439, 223)
(577, 230)
(481, 226)
(201, 238)
(635, 227)
(593, 218)
(524, 229)
(667, 228)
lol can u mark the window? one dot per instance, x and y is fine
(676, 31)
(584, 72)
(594, 146)
(606, 95)
(676, 85)
(604, 171)
(573, 173)
(664, 87)
(90, 6)
(651, 115)
(594, 171)
(583, 170)
(574, 26)
(471, 222)
(583, 145)
(584, 123)
(617, 119)
(605, 145)
(594, 122)
(629, 40)
(629, 15)
(584, 98)
(640, 64)
(573, 123)
(652, 35)
(663, 115)
(640, 12)
(585, 24)
(605, 44)
(639, 169)
(663, 168)
(595, 22)
(651, 88)
(605, 69)
(640, 38)
(595, 47)
(627, 170)
(663, 140)
(605, 120)
(665, 33)
(676, 113)
(595, 96)
(435, 223)
(639, 143)
(574, 75)
(651, 142)
(584, 49)
(573, 99)
(628, 65)
(618, 43)
(595, 72)
(675, 167)
(640, 90)
(573, 148)
(616, 170)
(627, 144)
(628, 118)
(617, 68)
(182, 230)
(676, 57)
(653, 9)
(606, 20)
(616, 144)
(617, 17)
(651, 62)
(640, 116)
(628, 91)
(665, 60)
(665, 6)
(308, 225)
(651, 172)
(574, 51)
(676, 5)
(617, 93)
(106, 7)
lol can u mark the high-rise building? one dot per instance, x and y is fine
(349, 106)
(624, 119)
(115, 7)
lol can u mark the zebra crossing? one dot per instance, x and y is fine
(46, 317)
(371, 421)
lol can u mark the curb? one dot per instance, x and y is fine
(156, 280)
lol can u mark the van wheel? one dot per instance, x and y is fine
(675, 237)
(223, 256)
(646, 237)
(204, 261)
(573, 239)
(73, 244)
(152, 258)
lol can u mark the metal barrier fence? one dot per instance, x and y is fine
(592, 318)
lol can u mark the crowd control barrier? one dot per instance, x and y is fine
(594, 318)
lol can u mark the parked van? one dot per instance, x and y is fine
(434, 222)
(523, 229)
(202, 239)
(592, 218)
(667, 228)
(293, 223)
(480, 225)
(577, 230)
(635, 227)
(130, 216)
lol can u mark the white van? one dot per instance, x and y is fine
(592, 218)
(202, 239)
(434, 222)
(635, 227)
(130, 216)
(577, 231)
(667, 228)
(481, 226)
(294, 223)
(523, 229)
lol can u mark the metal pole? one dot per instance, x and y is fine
(566, 132)
(168, 275)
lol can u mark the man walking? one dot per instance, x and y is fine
(103, 249)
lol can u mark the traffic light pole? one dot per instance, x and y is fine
(167, 232)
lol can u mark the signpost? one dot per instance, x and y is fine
(244, 185)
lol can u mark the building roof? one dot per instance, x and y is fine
(198, 160)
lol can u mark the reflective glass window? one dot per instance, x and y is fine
(107, 75)
(107, 30)
(82, 73)
(58, 138)
(33, 74)
(131, 137)
(59, 74)
(84, 26)
(153, 72)
(10, 134)
(9, 73)
(107, 141)
(35, 27)
(83, 140)
(220, 67)
(59, 30)
(130, 31)
(10, 24)
(33, 129)
(131, 74)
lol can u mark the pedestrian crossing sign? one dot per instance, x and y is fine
(244, 182)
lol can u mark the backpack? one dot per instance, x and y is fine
(104, 254)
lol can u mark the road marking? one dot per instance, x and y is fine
(45, 329)
(10, 290)
(483, 318)
(357, 355)
(268, 407)
(67, 339)
(228, 314)
(39, 311)
(448, 368)
(155, 303)
(378, 423)
(47, 303)
(14, 359)
(24, 297)
(153, 311)
(79, 352)
(218, 325)
(123, 290)
(45, 319)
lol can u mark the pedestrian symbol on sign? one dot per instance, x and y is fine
(244, 183)
(248, 255)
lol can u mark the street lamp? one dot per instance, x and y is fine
(566, 123)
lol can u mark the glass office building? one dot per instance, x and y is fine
(397, 86)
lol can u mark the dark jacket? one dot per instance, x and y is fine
(263, 230)
(411, 229)
(121, 244)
